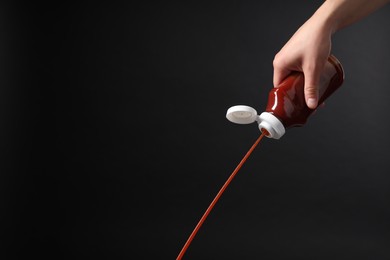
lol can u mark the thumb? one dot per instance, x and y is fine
(311, 88)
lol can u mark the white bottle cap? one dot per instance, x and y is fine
(241, 114)
(272, 125)
(245, 115)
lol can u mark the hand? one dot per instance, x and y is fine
(307, 51)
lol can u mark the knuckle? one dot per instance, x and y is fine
(311, 89)
(277, 61)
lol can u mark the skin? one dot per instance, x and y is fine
(308, 49)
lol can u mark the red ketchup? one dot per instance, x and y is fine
(286, 105)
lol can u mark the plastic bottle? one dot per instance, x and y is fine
(286, 105)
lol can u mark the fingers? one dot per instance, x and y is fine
(311, 68)
(280, 71)
(312, 78)
(311, 95)
(279, 76)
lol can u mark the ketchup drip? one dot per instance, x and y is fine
(215, 200)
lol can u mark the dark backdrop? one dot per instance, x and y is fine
(114, 141)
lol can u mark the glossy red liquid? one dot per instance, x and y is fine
(287, 102)
(219, 194)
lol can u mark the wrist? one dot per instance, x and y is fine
(326, 17)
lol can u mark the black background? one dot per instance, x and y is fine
(114, 141)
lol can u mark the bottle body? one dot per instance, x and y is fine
(286, 103)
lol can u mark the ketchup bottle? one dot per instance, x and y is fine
(286, 105)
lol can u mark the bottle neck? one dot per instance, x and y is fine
(271, 125)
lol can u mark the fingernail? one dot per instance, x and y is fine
(311, 102)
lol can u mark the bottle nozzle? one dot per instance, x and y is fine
(271, 124)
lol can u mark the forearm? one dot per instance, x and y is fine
(337, 14)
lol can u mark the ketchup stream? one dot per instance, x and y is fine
(219, 194)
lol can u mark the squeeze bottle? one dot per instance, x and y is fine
(286, 105)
